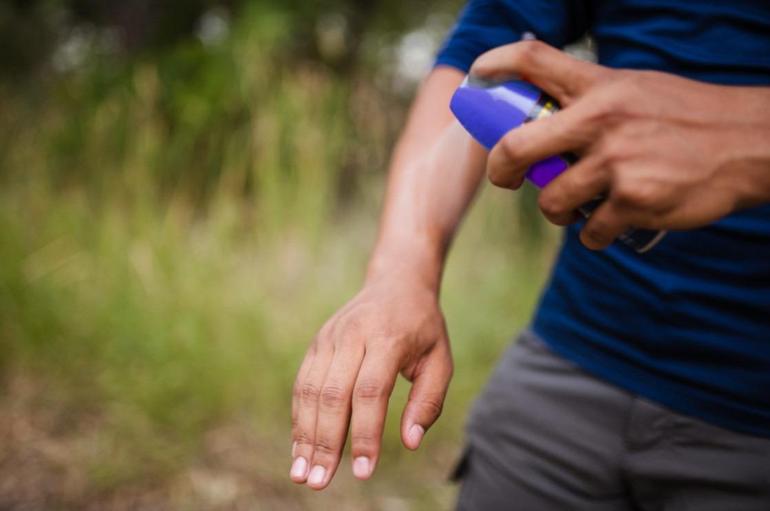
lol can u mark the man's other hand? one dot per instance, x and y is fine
(665, 151)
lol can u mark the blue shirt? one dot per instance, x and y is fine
(687, 324)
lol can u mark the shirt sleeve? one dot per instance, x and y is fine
(487, 24)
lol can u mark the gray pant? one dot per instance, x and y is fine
(545, 435)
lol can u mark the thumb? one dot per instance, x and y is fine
(562, 76)
(426, 398)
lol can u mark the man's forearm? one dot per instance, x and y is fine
(435, 172)
(394, 324)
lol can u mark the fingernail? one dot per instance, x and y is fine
(298, 468)
(317, 476)
(361, 467)
(416, 433)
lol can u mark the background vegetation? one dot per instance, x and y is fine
(187, 190)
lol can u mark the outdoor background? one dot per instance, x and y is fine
(188, 189)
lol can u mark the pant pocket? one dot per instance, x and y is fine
(462, 465)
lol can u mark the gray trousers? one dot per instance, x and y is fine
(545, 435)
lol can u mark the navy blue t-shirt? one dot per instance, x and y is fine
(687, 324)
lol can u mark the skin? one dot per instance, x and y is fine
(667, 152)
(394, 324)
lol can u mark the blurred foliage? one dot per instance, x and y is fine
(30, 30)
(177, 217)
(335, 32)
(206, 76)
(191, 111)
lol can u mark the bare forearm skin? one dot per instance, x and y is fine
(394, 324)
(434, 174)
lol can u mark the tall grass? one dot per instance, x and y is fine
(172, 233)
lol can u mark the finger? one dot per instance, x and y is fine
(373, 387)
(559, 74)
(578, 185)
(334, 414)
(604, 225)
(297, 394)
(426, 398)
(565, 131)
(309, 390)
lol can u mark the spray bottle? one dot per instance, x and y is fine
(489, 110)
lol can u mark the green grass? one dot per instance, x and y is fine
(157, 331)
(172, 234)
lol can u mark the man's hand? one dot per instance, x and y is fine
(667, 152)
(393, 325)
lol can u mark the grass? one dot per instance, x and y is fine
(172, 233)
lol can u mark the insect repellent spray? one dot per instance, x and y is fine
(489, 110)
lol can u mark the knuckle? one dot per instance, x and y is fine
(600, 115)
(585, 180)
(530, 51)
(550, 204)
(644, 199)
(624, 196)
(370, 391)
(501, 172)
(325, 448)
(432, 404)
(510, 147)
(312, 349)
(352, 324)
(324, 336)
(607, 109)
(614, 150)
(621, 82)
(364, 442)
(384, 338)
(309, 392)
(521, 54)
(633, 195)
(364, 438)
(358, 323)
(332, 396)
(497, 177)
(481, 66)
(303, 437)
(597, 74)
(325, 330)
(593, 239)
(647, 196)
(629, 84)
(596, 230)
(323, 341)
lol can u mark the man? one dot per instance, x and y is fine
(644, 380)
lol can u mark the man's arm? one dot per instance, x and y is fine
(394, 323)
(665, 151)
(435, 170)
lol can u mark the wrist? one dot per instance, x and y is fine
(413, 260)
(748, 173)
(746, 154)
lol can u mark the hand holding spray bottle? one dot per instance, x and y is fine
(489, 110)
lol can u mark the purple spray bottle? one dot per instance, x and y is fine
(489, 110)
